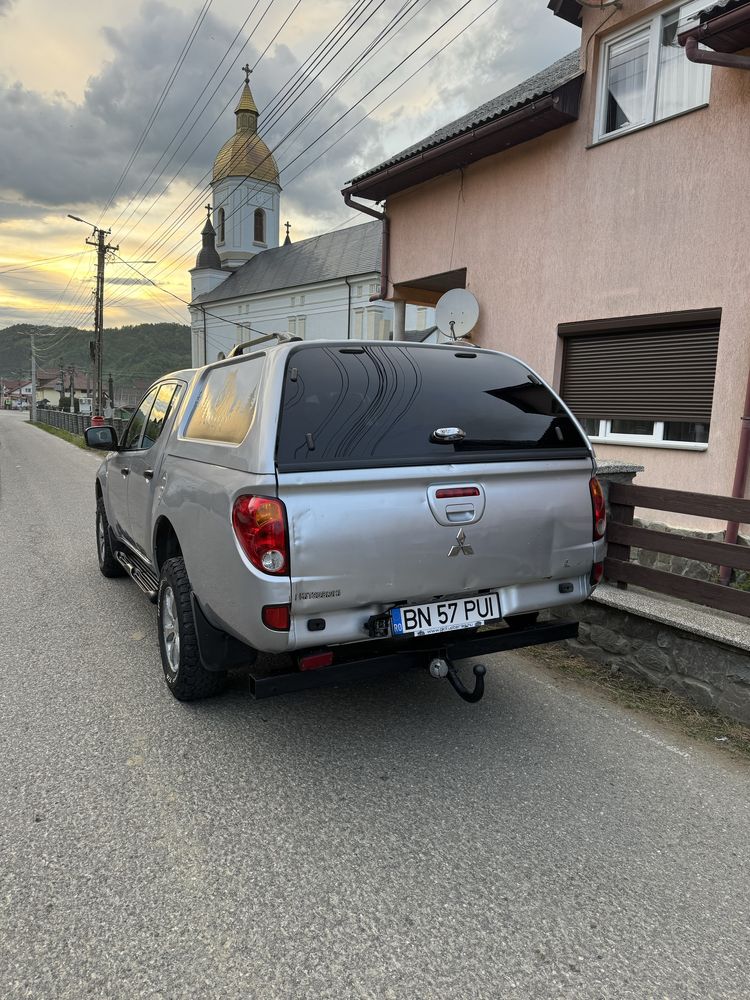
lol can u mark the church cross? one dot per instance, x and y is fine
(208, 210)
(288, 227)
(247, 71)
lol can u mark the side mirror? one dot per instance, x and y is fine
(104, 438)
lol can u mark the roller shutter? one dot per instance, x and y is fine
(644, 368)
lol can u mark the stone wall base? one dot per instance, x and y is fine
(709, 673)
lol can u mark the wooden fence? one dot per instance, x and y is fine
(622, 534)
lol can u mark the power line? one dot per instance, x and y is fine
(160, 102)
(348, 111)
(177, 149)
(38, 263)
(354, 12)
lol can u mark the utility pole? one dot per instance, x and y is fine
(98, 239)
(72, 388)
(33, 380)
(102, 248)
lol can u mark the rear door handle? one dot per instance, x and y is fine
(125, 471)
(148, 474)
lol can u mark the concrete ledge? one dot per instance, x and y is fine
(701, 655)
(725, 628)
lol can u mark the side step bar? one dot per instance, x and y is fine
(392, 659)
(138, 571)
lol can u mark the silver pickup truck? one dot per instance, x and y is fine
(350, 508)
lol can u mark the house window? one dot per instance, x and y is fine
(643, 380)
(291, 324)
(259, 231)
(222, 226)
(648, 433)
(301, 324)
(645, 75)
(294, 300)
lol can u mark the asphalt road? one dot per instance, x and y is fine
(377, 841)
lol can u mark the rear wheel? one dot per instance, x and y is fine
(186, 677)
(104, 551)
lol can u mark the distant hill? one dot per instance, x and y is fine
(130, 353)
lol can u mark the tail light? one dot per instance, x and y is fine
(276, 617)
(260, 526)
(597, 572)
(599, 509)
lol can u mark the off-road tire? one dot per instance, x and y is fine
(108, 565)
(188, 680)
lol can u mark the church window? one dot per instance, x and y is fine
(292, 325)
(260, 226)
(302, 300)
(222, 227)
(301, 324)
(294, 300)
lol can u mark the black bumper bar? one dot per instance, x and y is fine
(375, 659)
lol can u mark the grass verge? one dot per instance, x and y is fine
(65, 435)
(671, 709)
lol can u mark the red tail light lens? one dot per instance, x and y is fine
(599, 509)
(457, 491)
(276, 617)
(597, 572)
(260, 526)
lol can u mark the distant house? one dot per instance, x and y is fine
(599, 212)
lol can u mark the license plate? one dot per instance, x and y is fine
(443, 616)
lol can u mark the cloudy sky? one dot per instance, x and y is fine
(84, 131)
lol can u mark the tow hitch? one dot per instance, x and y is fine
(443, 667)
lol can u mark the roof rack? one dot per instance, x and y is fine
(282, 338)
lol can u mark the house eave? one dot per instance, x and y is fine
(545, 114)
(568, 10)
(723, 29)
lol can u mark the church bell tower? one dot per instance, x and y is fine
(246, 189)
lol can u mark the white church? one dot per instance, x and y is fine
(245, 284)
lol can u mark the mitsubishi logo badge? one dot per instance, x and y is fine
(461, 545)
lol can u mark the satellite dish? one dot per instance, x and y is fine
(456, 313)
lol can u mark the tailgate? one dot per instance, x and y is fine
(389, 536)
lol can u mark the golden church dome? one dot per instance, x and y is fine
(245, 154)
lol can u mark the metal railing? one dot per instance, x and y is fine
(74, 423)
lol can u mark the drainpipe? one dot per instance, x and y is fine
(728, 59)
(385, 259)
(205, 337)
(704, 32)
(349, 310)
(740, 478)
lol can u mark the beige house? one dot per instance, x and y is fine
(600, 213)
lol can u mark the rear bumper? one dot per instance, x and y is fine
(376, 659)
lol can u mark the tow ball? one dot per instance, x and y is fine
(441, 667)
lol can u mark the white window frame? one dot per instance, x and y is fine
(291, 325)
(656, 439)
(654, 24)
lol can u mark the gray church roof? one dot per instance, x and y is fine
(342, 254)
(530, 90)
